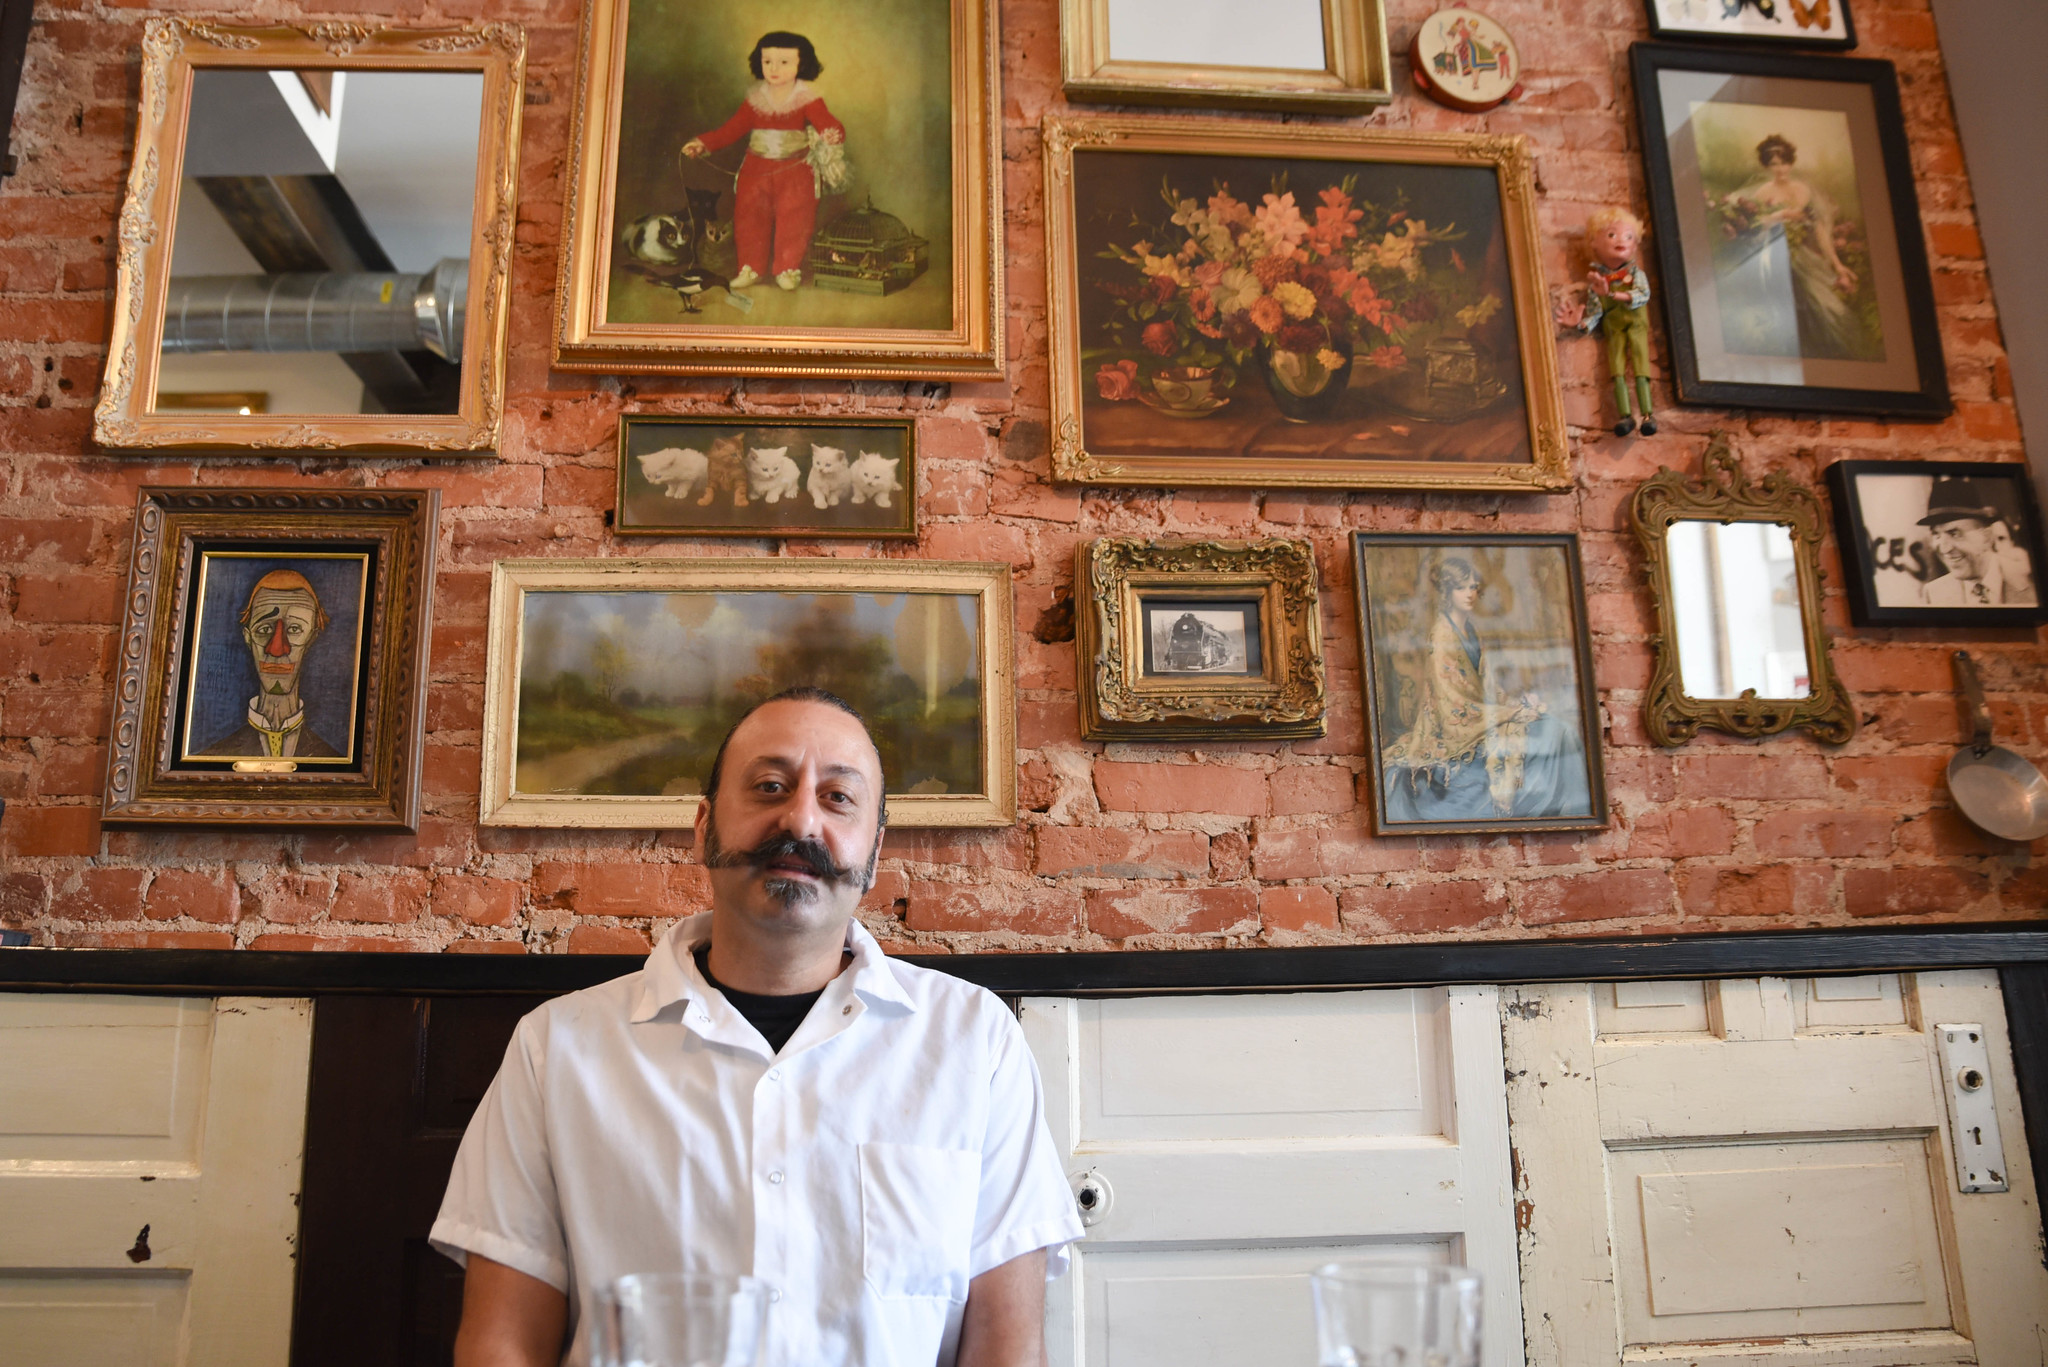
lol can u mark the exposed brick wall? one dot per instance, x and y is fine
(1120, 845)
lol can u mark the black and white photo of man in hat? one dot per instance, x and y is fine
(1973, 543)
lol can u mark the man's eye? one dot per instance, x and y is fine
(768, 785)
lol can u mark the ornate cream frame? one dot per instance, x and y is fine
(1356, 79)
(1112, 578)
(1548, 472)
(1724, 494)
(171, 49)
(972, 349)
(512, 580)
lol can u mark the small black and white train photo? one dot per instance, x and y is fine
(1939, 540)
(1202, 637)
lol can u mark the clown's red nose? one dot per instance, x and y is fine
(277, 648)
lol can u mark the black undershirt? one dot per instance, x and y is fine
(775, 1017)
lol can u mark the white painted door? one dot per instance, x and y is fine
(1759, 1173)
(149, 1177)
(1243, 1140)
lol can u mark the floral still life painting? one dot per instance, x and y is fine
(1478, 684)
(1298, 319)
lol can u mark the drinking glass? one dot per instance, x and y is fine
(678, 1319)
(1392, 1314)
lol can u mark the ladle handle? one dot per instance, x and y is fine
(1973, 690)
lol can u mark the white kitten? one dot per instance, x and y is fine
(771, 475)
(875, 478)
(681, 471)
(830, 479)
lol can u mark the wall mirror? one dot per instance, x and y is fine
(1735, 571)
(1319, 56)
(315, 246)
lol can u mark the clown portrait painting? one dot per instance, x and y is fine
(274, 674)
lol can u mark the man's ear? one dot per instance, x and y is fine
(701, 824)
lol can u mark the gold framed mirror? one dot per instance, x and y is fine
(317, 239)
(1735, 571)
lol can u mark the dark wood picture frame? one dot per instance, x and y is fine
(1450, 777)
(638, 492)
(1887, 550)
(155, 778)
(1731, 28)
(1900, 283)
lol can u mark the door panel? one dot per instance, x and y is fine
(1245, 1140)
(149, 1162)
(1772, 1189)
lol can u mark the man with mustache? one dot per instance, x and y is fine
(1969, 537)
(281, 619)
(771, 1096)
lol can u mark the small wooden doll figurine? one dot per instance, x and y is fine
(1617, 296)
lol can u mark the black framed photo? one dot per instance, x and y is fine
(1783, 23)
(725, 476)
(1479, 700)
(1939, 543)
(1793, 271)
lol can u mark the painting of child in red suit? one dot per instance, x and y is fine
(793, 154)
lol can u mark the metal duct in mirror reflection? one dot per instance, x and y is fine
(343, 311)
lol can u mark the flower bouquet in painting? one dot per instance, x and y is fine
(1313, 295)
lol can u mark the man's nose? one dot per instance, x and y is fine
(278, 647)
(802, 817)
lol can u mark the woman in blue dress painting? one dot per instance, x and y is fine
(1469, 754)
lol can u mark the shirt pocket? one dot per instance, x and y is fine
(917, 1218)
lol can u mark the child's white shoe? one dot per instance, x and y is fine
(789, 280)
(745, 278)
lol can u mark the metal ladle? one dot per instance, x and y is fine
(1995, 788)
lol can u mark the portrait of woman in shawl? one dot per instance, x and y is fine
(1479, 699)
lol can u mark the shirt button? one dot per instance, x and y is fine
(774, 1294)
(775, 1075)
(774, 1179)
(846, 1010)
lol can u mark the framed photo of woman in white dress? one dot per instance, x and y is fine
(1480, 704)
(1788, 233)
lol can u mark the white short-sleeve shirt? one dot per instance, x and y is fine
(895, 1149)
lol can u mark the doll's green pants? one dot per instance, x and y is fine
(1628, 345)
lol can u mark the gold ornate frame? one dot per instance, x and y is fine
(171, 50)
(146, 785)
(972, 349)
(512, 580)
(1355, 80)
(1113, 578)
(1724, 494)
(1548, 472)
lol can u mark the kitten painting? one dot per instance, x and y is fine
(677, 470)
(728, 471)
(874, 478)
(771, 475)
(831, 478)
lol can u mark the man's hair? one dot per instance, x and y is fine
(285, 581)
(808, 68)
(800, 693)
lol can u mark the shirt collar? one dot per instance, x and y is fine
(671, 974)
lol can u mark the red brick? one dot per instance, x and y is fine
(891, 887)
(1047, 722)
(1029, 910)
(202, 896)
(65, 539)
(22, 896)
(616, 889)
(485, 947)
(1331, 852)
(975, 541)
(71, 771)
(68, 598)
(1747, 774)
(1911, 891)
(1119, 914)
(1609, 895)
(1755, 891)
(1681, 833)
(287, 898)
(1838, 835)
(1100, 852)
(50, 831)
(1230, 857)
(1424, 908)
(1298, 908)
(1006, 847)
(100, 895)
(1911, 780)
(1305, 788)
(298, 942)
(146, 939)
(1219, 788)
(609, 940)
(389, 896)
(479, 900)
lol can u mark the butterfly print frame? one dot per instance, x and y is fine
(1775, 23)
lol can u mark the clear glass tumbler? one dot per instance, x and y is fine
(678, 1319)
(1393, 1314)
